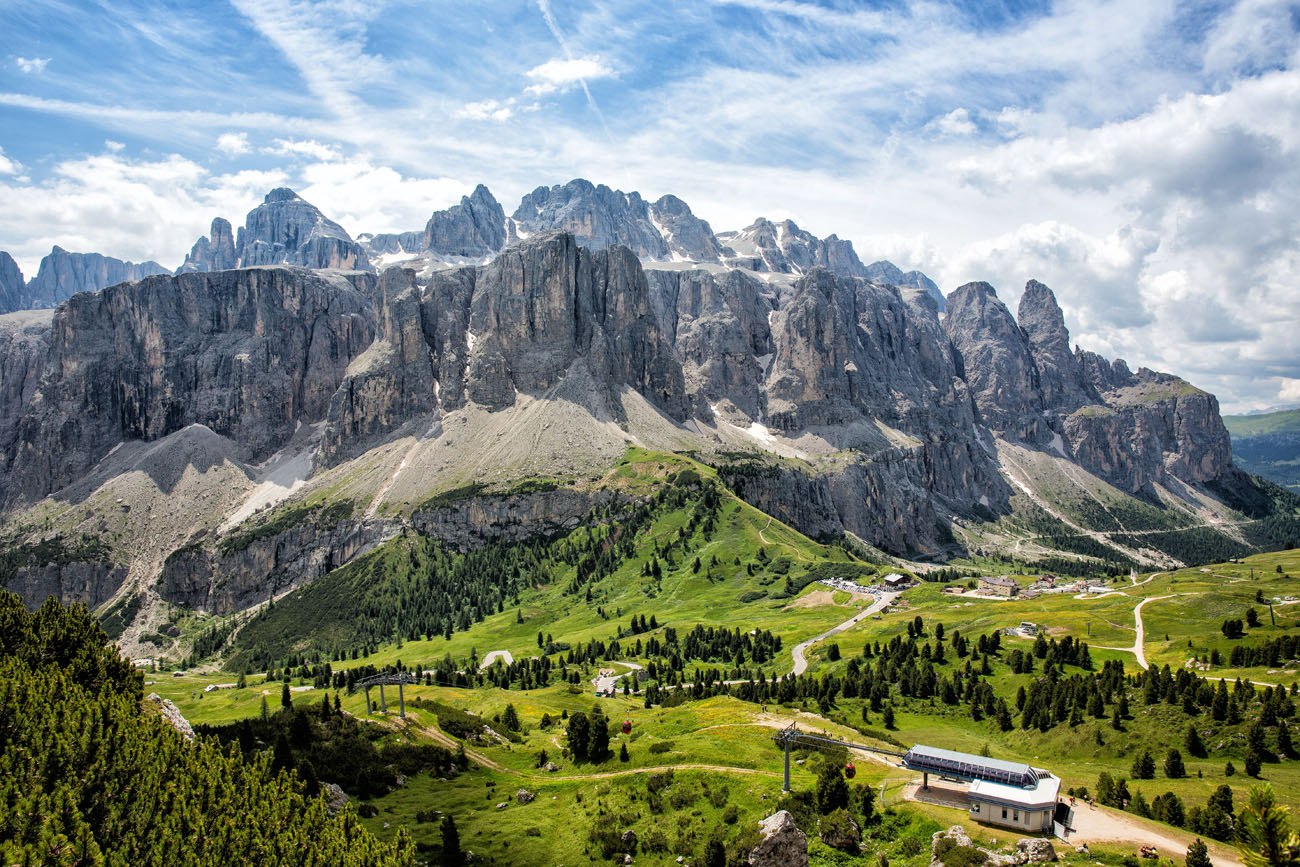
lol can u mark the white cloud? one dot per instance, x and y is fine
(233, 144)
(365, 197)
(8, 166)
(32, 65)
(955, 123)
(131, 209)
(561, 74)
(309, 148)
(487, 109)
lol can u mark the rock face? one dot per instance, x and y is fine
(719, 326)
(596, 216)
(540, 308)
(783, 844)
(785, 248)
(891, 275)
(473, 229)
(285, 229)
(996, 359)
(685, 234)
(242, 573)
(1133, 430)
(13, 288)
(24, 342)
(513, 517)
(90, 581)
(214, 253)
(63, 274)
(250, 354)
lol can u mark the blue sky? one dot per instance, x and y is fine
(1139, 157)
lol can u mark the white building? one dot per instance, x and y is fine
(1025, 809)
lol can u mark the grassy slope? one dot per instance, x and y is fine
(730, 733)
(1287, 421)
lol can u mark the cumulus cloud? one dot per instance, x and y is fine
(365, 197)
(32, 65)
(131, 209)
(563, 74)
(233, 144)
(8, 166)
(955, 123)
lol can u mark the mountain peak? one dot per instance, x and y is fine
(280, 194)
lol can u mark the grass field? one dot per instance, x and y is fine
(723, 745)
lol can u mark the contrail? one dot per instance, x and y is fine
(545, 7)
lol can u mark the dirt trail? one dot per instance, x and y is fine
(1139, 649)
(438, 736)
(797, 553)
(1101, 824)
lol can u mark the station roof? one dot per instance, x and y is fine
(951, 763)
(1041, 796)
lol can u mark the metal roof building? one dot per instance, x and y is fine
(965, 766)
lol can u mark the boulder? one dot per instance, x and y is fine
(1036, 850)
(783, 844)
(335, 797)
(523, 796)
(629, 840)
(172, 715)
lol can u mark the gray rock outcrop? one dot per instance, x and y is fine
(251, 354)
(13, 288)
(171, 715)
(1036, 850)
(286, 230)
(243, 570)
(474, 228)
(783, 844)
(595, 215)
(891, 275)
(62, 275)
(785, 248)
(1133, 430)
(215, 252)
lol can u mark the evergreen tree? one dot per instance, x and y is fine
(598, 736)
(622, 753)
(832, 789)
(1192, 742)
(1265, 833)
(1174, 765)
(1252, 763)
(579, 731)
(452, 855)
(1198, 855)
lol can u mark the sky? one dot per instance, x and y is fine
(1138, 157)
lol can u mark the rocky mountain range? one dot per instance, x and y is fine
(62, 275)
(221, 433)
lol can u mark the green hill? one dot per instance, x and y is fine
(1268, 445)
